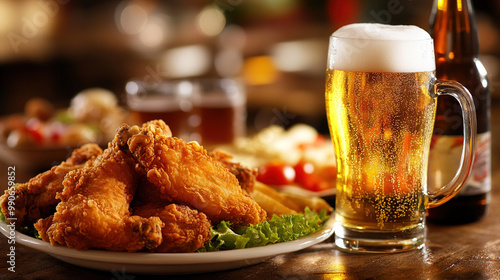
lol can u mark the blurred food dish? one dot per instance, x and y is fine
(33, 158)
(43, 136)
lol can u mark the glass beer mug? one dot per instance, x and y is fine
(381, 100)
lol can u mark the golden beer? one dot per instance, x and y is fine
(381, 126)
(380, 98)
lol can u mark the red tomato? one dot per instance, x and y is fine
(276, 173)
(303, 172)
(34, 129)
(56, 137)
(310, 178)
(316, 184)
(36, 135)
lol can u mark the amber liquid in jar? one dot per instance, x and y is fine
(217, 124)
(219, 112)
(175, 119)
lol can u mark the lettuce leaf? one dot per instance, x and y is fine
(28, 230)
(277, 229)
(223, 237)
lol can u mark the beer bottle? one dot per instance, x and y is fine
(454, 29)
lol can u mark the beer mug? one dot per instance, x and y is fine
(381, 95)
(167, 100)
(219, 111)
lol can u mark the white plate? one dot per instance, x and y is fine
(173, 263)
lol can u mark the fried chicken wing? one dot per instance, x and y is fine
(37, 198)
(246, 176)
(185, 231)
(94, 211)
(147, 193)
(186, 174)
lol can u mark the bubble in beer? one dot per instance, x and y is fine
(370, 47)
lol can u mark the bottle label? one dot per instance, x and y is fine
(444, 160)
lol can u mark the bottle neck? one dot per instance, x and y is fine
(454, 29)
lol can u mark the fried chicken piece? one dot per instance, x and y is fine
(185, 174)
(42, 225)
(185, 231)
(37, 198)
(94, 210)
(246, 176)
(147, 193)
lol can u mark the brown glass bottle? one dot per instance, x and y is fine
(453, 27)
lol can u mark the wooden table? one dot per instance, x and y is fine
(469, 251)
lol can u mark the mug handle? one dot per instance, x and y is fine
(464, 97)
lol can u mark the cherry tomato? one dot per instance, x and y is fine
(319, 185)
(276, 173)
(303, 172)
(56, 137)
(36, 135)
(313, 179)
(315, 183)
(55, 133)
(34, 130)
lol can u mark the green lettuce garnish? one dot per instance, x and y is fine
(277, 229)
(223, 237)
(28, 230)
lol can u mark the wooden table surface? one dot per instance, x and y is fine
(469, 251)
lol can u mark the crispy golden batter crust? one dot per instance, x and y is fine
(186, 230)
(147, 191)
(246, 176)
(186, 174)
(37, 198)
(94, 208)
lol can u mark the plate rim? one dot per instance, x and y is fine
(153, 259)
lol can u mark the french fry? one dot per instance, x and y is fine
(275, 202)
(271, 192)
(271, 205)
(314, 203)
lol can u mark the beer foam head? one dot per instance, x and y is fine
(371, 47)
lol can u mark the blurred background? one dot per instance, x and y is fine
(56, 48)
